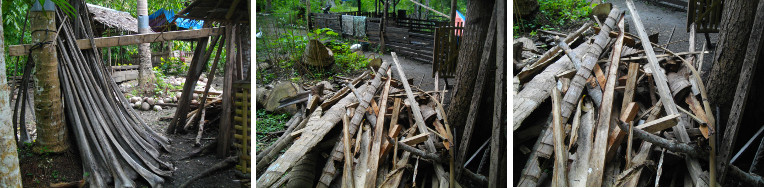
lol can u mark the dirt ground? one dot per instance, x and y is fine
(40, 170)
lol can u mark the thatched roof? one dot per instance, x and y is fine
(215, 10)
(111, 18)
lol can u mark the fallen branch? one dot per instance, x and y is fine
(671, 145)
(430, 156)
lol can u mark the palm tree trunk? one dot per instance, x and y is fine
(146, 77)
(9, 160)
(52, 134)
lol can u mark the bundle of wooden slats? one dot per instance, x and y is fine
(385, 129)
(632, 98)
(116, 146)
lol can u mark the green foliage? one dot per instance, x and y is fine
(265, 77)
(351, 61)
(554, 14)
(162, 88)
(172, 66)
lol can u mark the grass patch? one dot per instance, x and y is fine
(553, 15)
(269, 122)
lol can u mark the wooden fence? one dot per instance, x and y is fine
(412, 38)
(446, 50)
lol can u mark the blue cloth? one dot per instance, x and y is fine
(163, 16)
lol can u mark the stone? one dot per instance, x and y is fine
(195, 96)
(261, 94)
(150, 101)
(157, 108)
(327, 85)
(159, 101)
(168, 100)
(145, 106)
(134, 99)
(194, 101)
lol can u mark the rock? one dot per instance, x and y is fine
(194, 101)
(145, 106)
(150, 101)
(159, 101)
(261, 96)
(137, 104)
(327, 85)
(281, 91)
(134, 99)
(355, 47)
(195, 96)
(157, 108)
(375, 63)
(263, 66)
(168, 100)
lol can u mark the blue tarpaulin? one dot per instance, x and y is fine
(163, 16)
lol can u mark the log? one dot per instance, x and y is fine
(597, 161)
(663, 90)
(539, 88)
(376, 147)
(347, 172)
(580, 166)
(318, 129)
(747, 73)
(559, 179)
(329, 171)
(545, 59)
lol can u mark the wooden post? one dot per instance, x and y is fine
(52, 134)
(453, 12)
(146, 78)
(382, 28)
(224, 132)
(307, 16)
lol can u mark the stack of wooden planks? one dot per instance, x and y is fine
(617, 109)
(377, 131)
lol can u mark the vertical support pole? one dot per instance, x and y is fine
(146, 76)
(359, 7)
(382, 28)
(225, 133)
(307, 16)
(51, 128)
(453, 12)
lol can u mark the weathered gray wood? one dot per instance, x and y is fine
(578, 170)
(597, 161)
(663, 90)
(747, 73)
(442, 176)
(559, 179)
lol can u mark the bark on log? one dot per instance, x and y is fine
(316, 130)
(538, 89)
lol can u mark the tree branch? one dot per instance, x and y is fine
(671, 145)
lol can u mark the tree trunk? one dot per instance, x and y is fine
(9, 160)
(475, 31)
(52, 134)
(737, 20)
(146, 77)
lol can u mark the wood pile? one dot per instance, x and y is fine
(377, 131)
(621, 115)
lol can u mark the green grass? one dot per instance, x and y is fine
(269, 122)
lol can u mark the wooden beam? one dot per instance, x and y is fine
(414, 140)
(376, 147)
(20, 50)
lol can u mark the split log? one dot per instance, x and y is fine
(559, 179)
(597, 161)
(579, 168)
(347, 178)
(538, 89)
(663, 90)
(318, 129)
(376, 147)
(747, 74)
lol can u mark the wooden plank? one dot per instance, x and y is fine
(600, 76)
(347, 173)
(629, 112)
(376, 147)
(631, 85)
(414, 140)
(663, 90)
(559, 178)
(597, 161)
(101, 42)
